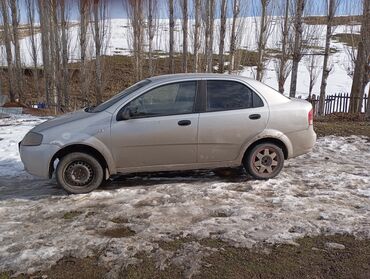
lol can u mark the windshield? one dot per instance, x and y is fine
(119, 96)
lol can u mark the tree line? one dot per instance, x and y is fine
(210, 39)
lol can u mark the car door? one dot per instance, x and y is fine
(234, 114)
(162, 128)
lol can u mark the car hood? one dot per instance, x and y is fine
(67, 118)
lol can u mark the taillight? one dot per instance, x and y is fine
(310, 117)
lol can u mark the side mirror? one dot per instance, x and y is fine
(126, 114)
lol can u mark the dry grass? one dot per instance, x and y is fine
(338, 20)
(342, 124)
(350, 40)
(309, 259)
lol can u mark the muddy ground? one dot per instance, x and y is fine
(324, 256)
(311, 257)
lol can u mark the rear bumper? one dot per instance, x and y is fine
(302, 141)
(36, 159)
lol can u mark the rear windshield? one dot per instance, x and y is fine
(120, 96)
(266, 88)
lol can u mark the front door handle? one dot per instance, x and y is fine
(255, 116)
(184, 122)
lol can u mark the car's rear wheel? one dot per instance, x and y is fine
(264, 161)
(79, 173)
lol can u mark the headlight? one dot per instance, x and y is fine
(32, 139)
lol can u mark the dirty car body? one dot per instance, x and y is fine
(172, 122)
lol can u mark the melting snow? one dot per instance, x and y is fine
(327, 191)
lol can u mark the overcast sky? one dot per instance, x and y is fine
(116, 9)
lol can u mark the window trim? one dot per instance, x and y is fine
(201, 105)
(195, 105)
(235, 81)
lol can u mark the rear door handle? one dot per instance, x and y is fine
(255, 116)
(184, 122)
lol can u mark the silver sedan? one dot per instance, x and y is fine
(172, 122)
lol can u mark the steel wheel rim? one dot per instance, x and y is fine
(266, 161)
(79, 173)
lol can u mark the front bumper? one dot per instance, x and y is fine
(36, 159)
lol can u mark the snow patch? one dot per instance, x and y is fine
(324, 192)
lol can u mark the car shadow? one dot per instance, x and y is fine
(175, 177)
(27, 187)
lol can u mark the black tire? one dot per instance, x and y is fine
(262, 164)
(79, 173)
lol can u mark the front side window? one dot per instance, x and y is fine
(230, 95)
(120, 96)
(170, 99)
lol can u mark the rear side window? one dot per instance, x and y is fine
(230, 95)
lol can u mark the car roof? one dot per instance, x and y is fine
(175, 77)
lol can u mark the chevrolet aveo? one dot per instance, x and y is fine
(173, 122)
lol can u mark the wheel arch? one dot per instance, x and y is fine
(276, 141)
(82, 148)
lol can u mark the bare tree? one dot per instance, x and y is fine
(151, 29)
(312, 65)
(221, 66)
(233, 36)
(197, 8)
(358, 77)
(283, 64)
(17, 51)
(8, 48)
(99, 31)
(84, 7)
(368, 95)
(185, 27)
(331, 9)
(361, 73)
(351, 31)
(98, 43)
(44, 11)
(210, 18)
(31, 11)
(264, 32)
(366, 24)
(64, 53)
(350, 61)
(135, 12)
(297, 54)
(55, 62)
(172, 36)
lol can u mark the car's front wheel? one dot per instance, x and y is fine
(79, 173)
(264, 161)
